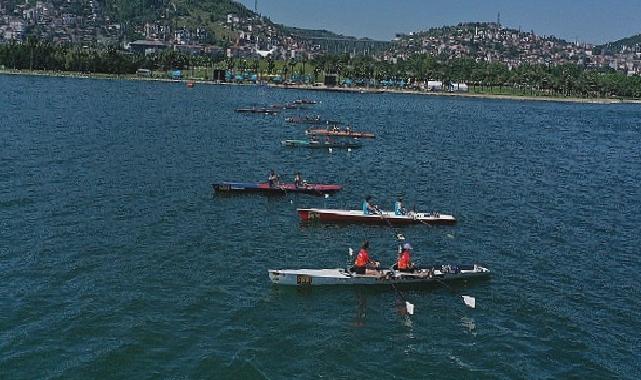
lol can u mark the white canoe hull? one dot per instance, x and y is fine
(339, 276)
(385, 217)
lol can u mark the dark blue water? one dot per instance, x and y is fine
(117, 262)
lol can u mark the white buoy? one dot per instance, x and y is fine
(349, 149)
(326, 196)
(330, 150)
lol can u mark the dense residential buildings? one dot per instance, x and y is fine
(69, 21)
(231, 35)
(249, 35)
(492, 43)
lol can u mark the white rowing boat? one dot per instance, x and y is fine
(339, 276)
(384, 217)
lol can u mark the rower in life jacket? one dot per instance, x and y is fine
(368, 207)
(298, 180)
(363, 262)
(398, 207)
(404, 262)
(273, 179)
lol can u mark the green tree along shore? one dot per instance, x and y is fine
(563, 80)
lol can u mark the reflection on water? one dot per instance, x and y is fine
(469, 324)
(361, 308)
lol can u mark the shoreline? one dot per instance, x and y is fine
(357, 90)
(462, 95)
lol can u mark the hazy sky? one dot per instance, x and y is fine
(593, 21)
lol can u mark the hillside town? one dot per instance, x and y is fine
(232, 35)
(492, 43)
(70, 21)
(87, 23)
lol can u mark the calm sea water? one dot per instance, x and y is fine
(117, 262)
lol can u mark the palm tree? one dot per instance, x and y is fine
(270, 65)
(304, 62)
(256, 67)
(292, 65)
(318, 69)
(230, 63)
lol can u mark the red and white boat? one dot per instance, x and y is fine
(357, 216)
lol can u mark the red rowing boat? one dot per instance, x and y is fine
(340, 133)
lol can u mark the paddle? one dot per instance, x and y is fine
(469, 301)
(283, 188)
(315, 190)
(350, 254)
(378, 212)
(409, 307)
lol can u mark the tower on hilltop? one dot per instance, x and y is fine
(498, 19)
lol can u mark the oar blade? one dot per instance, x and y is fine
(409, 307)
(469, 301)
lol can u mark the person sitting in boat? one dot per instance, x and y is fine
(398, 207)
(298, 180)
(368, 207)
(274, 179)
(404, 262)
(363, 262)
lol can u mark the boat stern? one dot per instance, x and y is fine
(289, 277)
(274, 276)
(304, 214)
(447, 219)
(219, 187)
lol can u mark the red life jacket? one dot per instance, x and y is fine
(362, 259)
(404, 261)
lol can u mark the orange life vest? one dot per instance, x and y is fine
(404, 260)
(362, 259)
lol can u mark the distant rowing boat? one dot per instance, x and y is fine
(283, 188)
(266, 111)
(321, 144)
(316, 120)
(304, 101)
(286, 106)
(340, 133)
(357, 216)
(424, 275)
